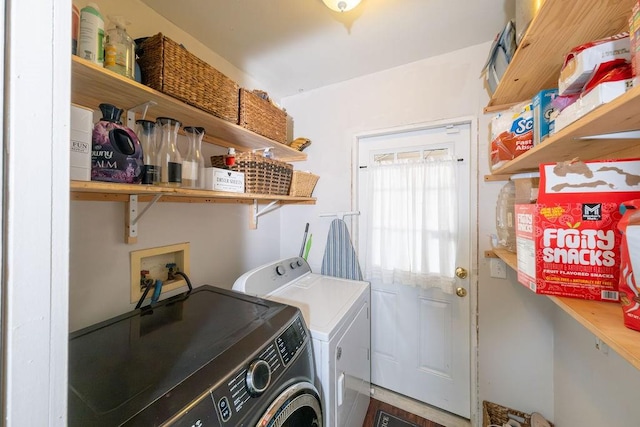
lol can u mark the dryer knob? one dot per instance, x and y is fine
(293, 265)
(279, 270)
(299, 263)
(258, 377)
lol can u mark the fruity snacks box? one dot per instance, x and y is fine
(567, 243)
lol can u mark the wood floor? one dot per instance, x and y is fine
(374, 405)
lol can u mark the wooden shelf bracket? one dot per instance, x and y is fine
(132, 217)
(255, 212)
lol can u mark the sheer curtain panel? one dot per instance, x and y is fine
(412, 227)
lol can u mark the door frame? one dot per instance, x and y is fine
(472, 121)
(35, 245)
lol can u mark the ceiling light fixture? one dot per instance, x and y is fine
(341, 5)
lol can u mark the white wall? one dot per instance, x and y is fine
(517, 345)
(593, 388)
(222, 245)
(146, 22)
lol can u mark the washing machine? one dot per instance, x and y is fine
(337, 314)
(209, 357)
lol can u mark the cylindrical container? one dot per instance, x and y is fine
(75, 28)
(505, 221)
(193, 163)
(120, 49)
(91, 39)
(146, 131)
(169, 158)
(230, 158)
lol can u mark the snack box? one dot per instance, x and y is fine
(567, 243)
(217, 179)
(581, 62)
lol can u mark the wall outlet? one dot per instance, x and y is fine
(498, 269)
(154, 260)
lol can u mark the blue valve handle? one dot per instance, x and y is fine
(156, 291)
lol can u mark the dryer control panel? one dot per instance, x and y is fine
(268, 278)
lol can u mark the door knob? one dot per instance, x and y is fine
(462, 273)
(461, 292)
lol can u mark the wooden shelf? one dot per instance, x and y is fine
(620, 115)
(509, 258)
(559, 26)
(106, 191)
(603, 319)
(92, 85)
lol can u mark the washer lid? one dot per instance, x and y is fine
(125, 364)
(323, 300)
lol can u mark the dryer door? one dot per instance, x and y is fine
(297, 406)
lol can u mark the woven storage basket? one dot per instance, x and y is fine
(261, 175)
(262, 117)
(498, 415)
(302, 184)
(171, 69)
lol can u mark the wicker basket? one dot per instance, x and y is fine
(262, 117)
(261, 175)
(494, 414)
(302, 184)
(171, 69)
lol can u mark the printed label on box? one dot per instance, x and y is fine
(566, 255)
(568, 244)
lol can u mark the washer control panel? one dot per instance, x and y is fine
(252, 380)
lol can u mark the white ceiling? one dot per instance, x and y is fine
(297, 45)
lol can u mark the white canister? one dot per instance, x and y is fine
(91, 40)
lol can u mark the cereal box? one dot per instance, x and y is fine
(567, 243)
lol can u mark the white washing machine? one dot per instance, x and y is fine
(336, 312)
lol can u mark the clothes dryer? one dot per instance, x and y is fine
(337, 313)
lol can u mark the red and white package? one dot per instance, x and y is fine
(581, 61)
(606, 73)
(511, 134)
(629, 226)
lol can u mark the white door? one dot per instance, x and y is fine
(420, 338)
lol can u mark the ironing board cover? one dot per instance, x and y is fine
(340, 259)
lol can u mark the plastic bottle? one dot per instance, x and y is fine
(169, 158)
(193, 163)
(120, 49)
(75, 28)
(146, 131)
(230, 158)
(91, 39)
(505, 221)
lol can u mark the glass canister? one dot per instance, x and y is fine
(505, 217)
(146, 131)
(193, 163)
(169, 158)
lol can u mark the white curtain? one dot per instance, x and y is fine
(412, 228)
